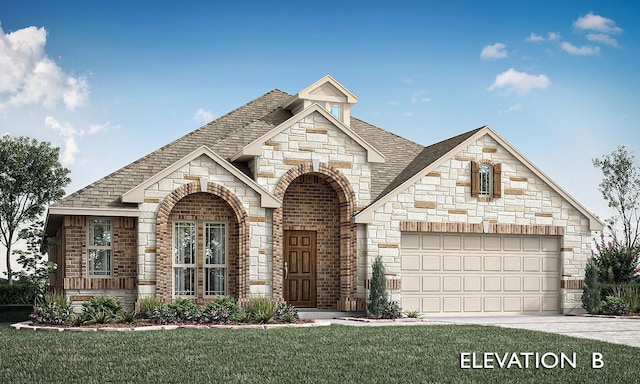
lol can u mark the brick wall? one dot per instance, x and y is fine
(310, 203)
(73, 255)
(199, 207)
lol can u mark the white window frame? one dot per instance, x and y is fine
(333, 108)
(207, 265)
(193, 265)
(104, 272)
(485, 171)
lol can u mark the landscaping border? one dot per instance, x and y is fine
(27, 326)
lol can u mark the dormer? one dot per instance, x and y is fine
(329, 94)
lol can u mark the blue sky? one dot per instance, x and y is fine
(111, 81)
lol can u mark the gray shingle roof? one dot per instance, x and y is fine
(231, 132)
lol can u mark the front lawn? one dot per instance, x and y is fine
(335, 354)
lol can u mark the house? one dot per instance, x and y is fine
(292, 197)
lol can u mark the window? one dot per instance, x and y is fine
(336, 111)
(99, 248)
(184, 259)
(215, 259)
(486, 180)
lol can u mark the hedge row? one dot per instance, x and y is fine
(17, 294)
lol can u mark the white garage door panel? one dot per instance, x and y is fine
(475, 274)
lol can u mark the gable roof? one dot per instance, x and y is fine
(434, 155)
(136, 195)
(255, 147)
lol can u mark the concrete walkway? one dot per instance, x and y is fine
(614, 330)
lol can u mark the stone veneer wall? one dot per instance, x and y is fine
(311, 204)
(200, 207)
(444, 196)
(77, 284)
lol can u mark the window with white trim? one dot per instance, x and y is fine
(215, 259)
(99, 247)
(336, 111)
(485, 179)
(184, 258)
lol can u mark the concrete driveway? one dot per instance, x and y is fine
(613, 330)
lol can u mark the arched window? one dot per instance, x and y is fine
(485, 179)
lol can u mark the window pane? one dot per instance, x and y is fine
(215, 281)
(484, 179)
(335, 110)
(185, 243)
(99, 262)
(100, 233)
(215, 246)
(184, 281)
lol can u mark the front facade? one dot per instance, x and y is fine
(291, 197)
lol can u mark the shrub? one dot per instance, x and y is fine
(182, 305)
(260, 309)
(391, 310)
(614, 306)
(164, 314)
(108, 304)
(17, 294)
(224, 310)
(96, 316)
(590, 292)
(53, 309)
(286, 313)
(126, 316)
(412, 314)
(147, 304)
(631, 295)
(616, 264)
(378, 290)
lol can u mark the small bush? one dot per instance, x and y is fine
(54, 309)
(631, 295)
(95, 316)
(17, 294)
(260, 309)
(286, 313)
(126, 316)
(224, 310)
(391, 310)
(148, 304)
(591, 292)
(108, 304)
(614, 306)
(412, 314)
(378, 290)
(164, 314)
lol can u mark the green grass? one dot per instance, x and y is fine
(336, 354)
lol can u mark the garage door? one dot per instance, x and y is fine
(453, 274)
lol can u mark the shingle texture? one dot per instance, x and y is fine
(231, 132)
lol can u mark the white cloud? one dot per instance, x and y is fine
(512, 108)
(70, 134)
(419, 97)
(552, 36)
(602, 38)
(97, 128)
(28, 76)
(495, 51)
(393, 102)
(406, 80)
(203, 116)
(519, 82)
(584, 50)
(591, 22)
(64, 129)
(408, 114)
(534, 38)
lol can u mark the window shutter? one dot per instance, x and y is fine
(474, 179)
(497, 180)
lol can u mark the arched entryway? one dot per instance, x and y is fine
(314, 239)
(202, 244)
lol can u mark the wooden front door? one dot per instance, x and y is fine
(300, 268)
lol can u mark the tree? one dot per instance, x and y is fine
(590, 293)
(35, 269)
(620, 187)
(378, 290)
(31, 177)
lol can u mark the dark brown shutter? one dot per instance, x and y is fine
(475, 180)
(497, 180)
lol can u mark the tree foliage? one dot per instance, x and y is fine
(591, 293)
(378, 290)
(620, 187)
(35, 268)
(31, 177)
